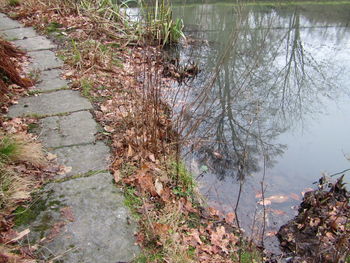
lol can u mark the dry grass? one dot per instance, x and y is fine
(15, 149)
(20, 148)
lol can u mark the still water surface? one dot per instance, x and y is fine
(273, 103)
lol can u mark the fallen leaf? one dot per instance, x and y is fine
(295, 196)
(264, 202)
(117, 176)
(277, 198)
(195, 235)
(152, 158)
(161, 229)
(51, 156)
(159, 187)
(20, 235)
(278, 212)
(271, 233)
(130, 151)
(67, 213)
(146, 184)
(108, 128)
(64, 170)
(213, 211)
(230, 217)
(217, 155)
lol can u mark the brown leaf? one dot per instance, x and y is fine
(67, 213)
(166, 194)
(213, 211)
(20, 235)
(51, 156)
(108, 128)
(277, 198)
(161, 229)
(146, 184)
(230, 217)
(152, 158)
(117, 176)
(159, 187)
(195, 236)
(130, 151)
(271, 233)
(295, 196)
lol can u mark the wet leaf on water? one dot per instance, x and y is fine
(264, 202)
(278, 212)
(271, 233)
(277, 198)
(295, 196)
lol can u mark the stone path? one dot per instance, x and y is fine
(81, 216)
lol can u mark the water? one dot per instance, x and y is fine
(271, 104)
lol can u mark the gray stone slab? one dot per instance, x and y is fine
(7, 23)
(50, 74)
(50, 104)
(51, 80)
(18, 33)
(35, 43)
(99, 228)
(44, 60)
(67, 130)
(83, 158)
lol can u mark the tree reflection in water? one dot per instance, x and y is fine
(263, 82)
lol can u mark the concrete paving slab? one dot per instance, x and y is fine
(44, 60)
(76, 128)
(83, 158)
(7, 23)
(50, 74)
(51, 84)
(18, 33)
(50, 104)
(35, 43)
(98, 227)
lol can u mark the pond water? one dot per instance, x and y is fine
(270, 108)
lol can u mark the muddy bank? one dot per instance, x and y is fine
(321, 230)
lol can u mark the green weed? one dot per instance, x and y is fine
(54, 27)
(149, 257)
(185, 182)
(160, 25)
(86, 87)
(132, 201)
(14, 2)
(8, 148)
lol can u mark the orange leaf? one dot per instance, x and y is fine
(295, 196)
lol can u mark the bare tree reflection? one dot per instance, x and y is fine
(263, 82)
